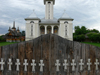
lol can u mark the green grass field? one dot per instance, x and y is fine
(95, 44)
(6, 43)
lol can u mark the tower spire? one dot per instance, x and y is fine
(49, 8)
(9, 29)
(13, 26)
(18, 29)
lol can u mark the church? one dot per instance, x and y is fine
(49, 24)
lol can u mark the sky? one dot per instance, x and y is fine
(84, 12)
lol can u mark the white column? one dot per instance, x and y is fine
(45, 29)
(51, 10)
(46, 10)
(52, 29)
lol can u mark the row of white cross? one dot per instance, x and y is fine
(41, 64)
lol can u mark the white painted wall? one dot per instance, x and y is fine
(69, 29)
(35, 29)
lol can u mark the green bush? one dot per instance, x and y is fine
(94, 37)
(2, 39)
(79, 38)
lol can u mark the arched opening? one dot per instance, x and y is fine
(42, 30)
(55, 29)
(49, 2)
(48, 29)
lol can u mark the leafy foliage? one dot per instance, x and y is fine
(79, 37)
(2, 39)
(81, 33)
(23, 33)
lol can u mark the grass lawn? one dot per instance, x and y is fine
(6, 43)
(95, 44)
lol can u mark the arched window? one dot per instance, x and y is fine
(49, 2)
(55, 29)
(48, 29)
(66, 28)
(42, 30)
(31, 27)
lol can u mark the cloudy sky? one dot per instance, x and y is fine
(84, 12)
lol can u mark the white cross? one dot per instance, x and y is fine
(10, 63)
(89, 63)
(17, 63)
(2, 63)
(96, 63)
(73, 65)
(65, 64)
(57, 64)
(25, 64)
(41, 65)
(81, 64)
(33, 65)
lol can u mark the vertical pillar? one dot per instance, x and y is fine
(51, 10)
(46, 10)
(45, 29)
(52, 29)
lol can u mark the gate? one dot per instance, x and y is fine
(49, 55)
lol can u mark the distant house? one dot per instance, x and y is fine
(14, 35)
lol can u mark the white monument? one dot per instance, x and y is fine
(49, 24)
(25, 64)
(10, 63)
(97, 64)
(73, 64)
(2, 64)
(17, 64)
(81, 64)
(89, 64)
(65, 64)
(57, 64)
(33, 64)
(41, 64)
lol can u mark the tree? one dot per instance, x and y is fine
(94, 37)
(77, 30)
(83, 30)
(79, 38)
(23, 33)
(94, 30)
(2, 39)
(80, 33)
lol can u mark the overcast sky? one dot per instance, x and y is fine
(84, 12)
